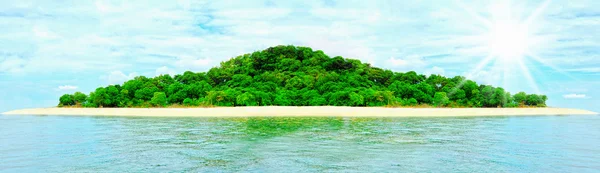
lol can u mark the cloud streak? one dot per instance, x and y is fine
(67, 87)
(575, 96)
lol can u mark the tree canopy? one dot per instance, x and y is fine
(299, 76)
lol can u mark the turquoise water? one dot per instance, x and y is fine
(118, 144)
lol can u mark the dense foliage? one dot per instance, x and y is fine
(299, 76)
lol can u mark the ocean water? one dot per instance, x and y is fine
(128, 144)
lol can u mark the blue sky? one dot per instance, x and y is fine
(49, 48)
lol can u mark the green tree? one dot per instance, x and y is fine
(189, 77)
(89, 103)
(488, 96)
(264, 98)
(188, 102)
(459, 96)
(312, 98)
(176, 93)
(198, 89)
(79, 98)
(441, 99)
(379, 98)
(411, 102)
(283, 98)
(469, 86)
(239, 80)
(124, 101)
(500, 96)
(300, 76)
(66, 100)
(159, 99)
(146, 93)
(246, 99)
(356, 99)
(133, 85)
(402, 89)
(520, 98)
(221, 98)
(163, 81)
(477, 99)
(412, 77)
(100, 97)
(536, 100)
(112, 96)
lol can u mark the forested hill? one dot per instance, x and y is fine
(299, 76)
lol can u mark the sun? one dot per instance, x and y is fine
(508, 40)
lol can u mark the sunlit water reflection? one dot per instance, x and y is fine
(479, 144)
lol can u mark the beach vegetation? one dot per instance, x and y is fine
(159, 99)
(300, 76)
(66, 100)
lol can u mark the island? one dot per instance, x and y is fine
(298, 81)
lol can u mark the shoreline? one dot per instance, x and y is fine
(303, 111)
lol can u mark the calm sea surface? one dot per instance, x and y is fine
(127, 144)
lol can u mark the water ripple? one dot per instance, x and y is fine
(117, 144)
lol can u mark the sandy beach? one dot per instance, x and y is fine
(308, 111)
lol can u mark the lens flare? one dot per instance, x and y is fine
(508, 41)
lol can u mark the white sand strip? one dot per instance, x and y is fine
(305, 111)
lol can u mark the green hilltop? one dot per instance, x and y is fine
(300, 76)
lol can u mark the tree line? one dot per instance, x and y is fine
(299, 76)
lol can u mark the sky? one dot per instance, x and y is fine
(49, 48)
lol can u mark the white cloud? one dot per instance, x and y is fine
(347, 14)
(337, 29)
(44, 33)
(397, 61)
(12, 65)
(253, 13)
(67, 87)
(164, 70)
(407, 63)
(436, 70)
(103, 7)
(194, 64)
(118, 77)
(575, 96)
(586, 70)
(355, 49)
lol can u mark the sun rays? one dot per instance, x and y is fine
(508, 41)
